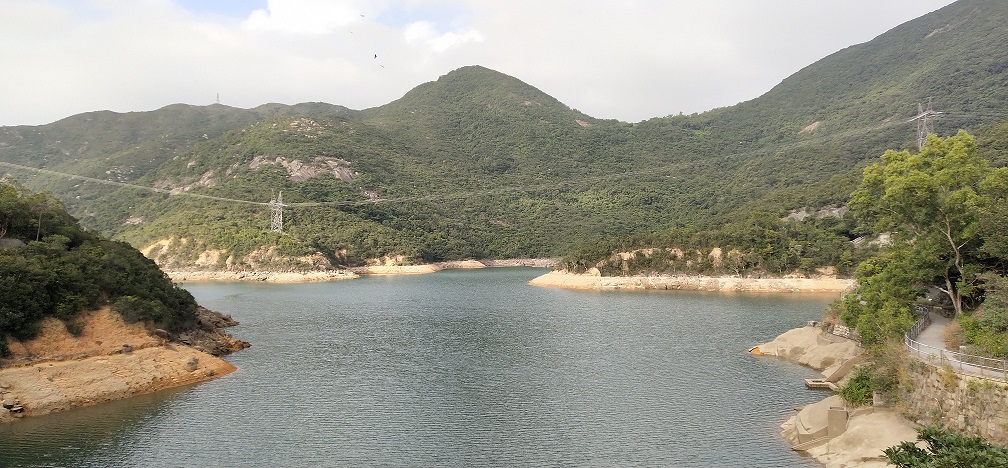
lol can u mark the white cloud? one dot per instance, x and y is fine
(629, 60)
(304, 16)
(425, 34)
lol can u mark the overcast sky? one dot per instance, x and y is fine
(628, 60)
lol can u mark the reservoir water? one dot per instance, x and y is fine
(459, 368)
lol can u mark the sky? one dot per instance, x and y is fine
(629, 60)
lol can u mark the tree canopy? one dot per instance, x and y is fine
(68, 270)
(933, 202)
(944, 210)
(947, 448)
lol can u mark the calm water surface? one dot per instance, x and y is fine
(459, 368)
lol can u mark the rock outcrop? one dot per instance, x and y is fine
(833, 432)
(209, 336)
(108, 360)
(811, 347)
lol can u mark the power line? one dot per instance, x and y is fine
(276, 213)
(925, 123)
(459, 194)
(127, 185)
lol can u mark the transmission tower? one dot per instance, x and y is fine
(925, 123)
(276, 210)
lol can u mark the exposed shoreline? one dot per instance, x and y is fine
(353, 272)
(830, 431)
(561, 279)
(188, 276)
(110, 360)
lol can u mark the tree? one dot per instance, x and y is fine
(933, 201)
(947, 448)
(882, 309)
(68, 270)
(995, 214)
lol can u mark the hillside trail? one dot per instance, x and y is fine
(934, 335)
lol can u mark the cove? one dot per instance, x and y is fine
(459, 368)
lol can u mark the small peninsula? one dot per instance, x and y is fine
(562, 279)
(108, 360)
(84, 319)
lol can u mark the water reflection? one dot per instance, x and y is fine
(70, 438)
(459, 368)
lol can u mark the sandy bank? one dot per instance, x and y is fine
(454, 264)
(265, 276)
(417, 269)
(562, 279)
(522, 262)
(354, 272)
(830, 431)
(110, 360)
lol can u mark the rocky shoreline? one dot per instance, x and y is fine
(354, 272)
(832, 432)
(109, 360)
(562, 279)
(184, 276)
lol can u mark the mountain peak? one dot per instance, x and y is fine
(475, 89)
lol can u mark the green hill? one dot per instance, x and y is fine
(50, 267)
(480, 164)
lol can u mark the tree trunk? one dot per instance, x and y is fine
(954, 294)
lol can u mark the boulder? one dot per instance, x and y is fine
(191, 364)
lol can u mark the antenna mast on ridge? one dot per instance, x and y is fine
(276, 210)
(925, 123)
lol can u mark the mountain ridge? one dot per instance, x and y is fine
(481, 164)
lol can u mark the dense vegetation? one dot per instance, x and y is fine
(479, 164)
(761, 243)
(49, 267)
(947, 448)
(942, 207)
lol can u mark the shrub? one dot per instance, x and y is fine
(858, 390)
(946, 447)
(134, 309)
(69, 270)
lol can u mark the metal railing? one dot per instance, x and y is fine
(960, 362)
(922, 323)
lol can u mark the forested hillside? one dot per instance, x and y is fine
(480, 164)
(49, 267)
